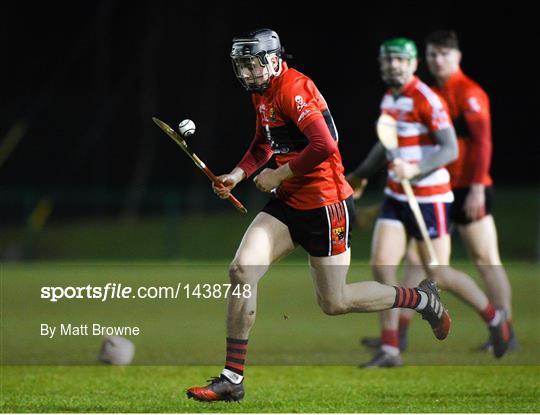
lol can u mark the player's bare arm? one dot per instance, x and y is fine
(475, 202)
(229, 181)
(270, 179)
(374, 161)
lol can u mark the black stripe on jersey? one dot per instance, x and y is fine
(330, 123)
(287, 138)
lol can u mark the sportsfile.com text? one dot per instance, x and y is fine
(119, 291)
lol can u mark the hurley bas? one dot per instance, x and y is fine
(94, 329)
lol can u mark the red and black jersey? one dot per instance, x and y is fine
(469, 109)
(294, 124)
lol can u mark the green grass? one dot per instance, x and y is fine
(274, 389)
(299, 359)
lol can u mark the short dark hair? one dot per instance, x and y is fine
(443, 38)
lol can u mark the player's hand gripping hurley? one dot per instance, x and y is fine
(178, 139)
(388, 136)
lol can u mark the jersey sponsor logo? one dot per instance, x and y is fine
(474, 105)
(304, 114)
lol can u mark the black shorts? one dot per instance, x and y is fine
(434, 214)
(324, 231)
(457, 213)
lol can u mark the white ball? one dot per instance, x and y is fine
(116, 350)
(186, 128)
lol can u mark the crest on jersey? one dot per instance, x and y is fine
(339, 233)
(300, 103)
(474, 105)
(272, 114)
(262, 110)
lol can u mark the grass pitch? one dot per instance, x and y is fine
(274, 389)
(299, 359)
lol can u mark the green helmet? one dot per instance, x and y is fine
(399, 46)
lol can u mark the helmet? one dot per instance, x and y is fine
(397, 75)
(400, 46)
(250, 58)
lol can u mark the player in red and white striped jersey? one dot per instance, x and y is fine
(427, 142)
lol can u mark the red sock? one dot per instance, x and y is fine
(407, 298)
(404, 322)
(488, 314)
(390, 338)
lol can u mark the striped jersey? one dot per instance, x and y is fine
(419, 112)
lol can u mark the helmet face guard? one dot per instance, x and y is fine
(251, 59)
(253, 74)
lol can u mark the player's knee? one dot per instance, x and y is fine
(383, 273)
(413, 259)
(442, 278)
(485, 258)
(332, 308)
(238, 274)
(383, 257)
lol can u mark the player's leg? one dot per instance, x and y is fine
(266, 240)
(335, 296)
(384, 263)
(413, 274)
(450, 279)
(332, 295)
(325, 235)
(457, 282)
(480, 238)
